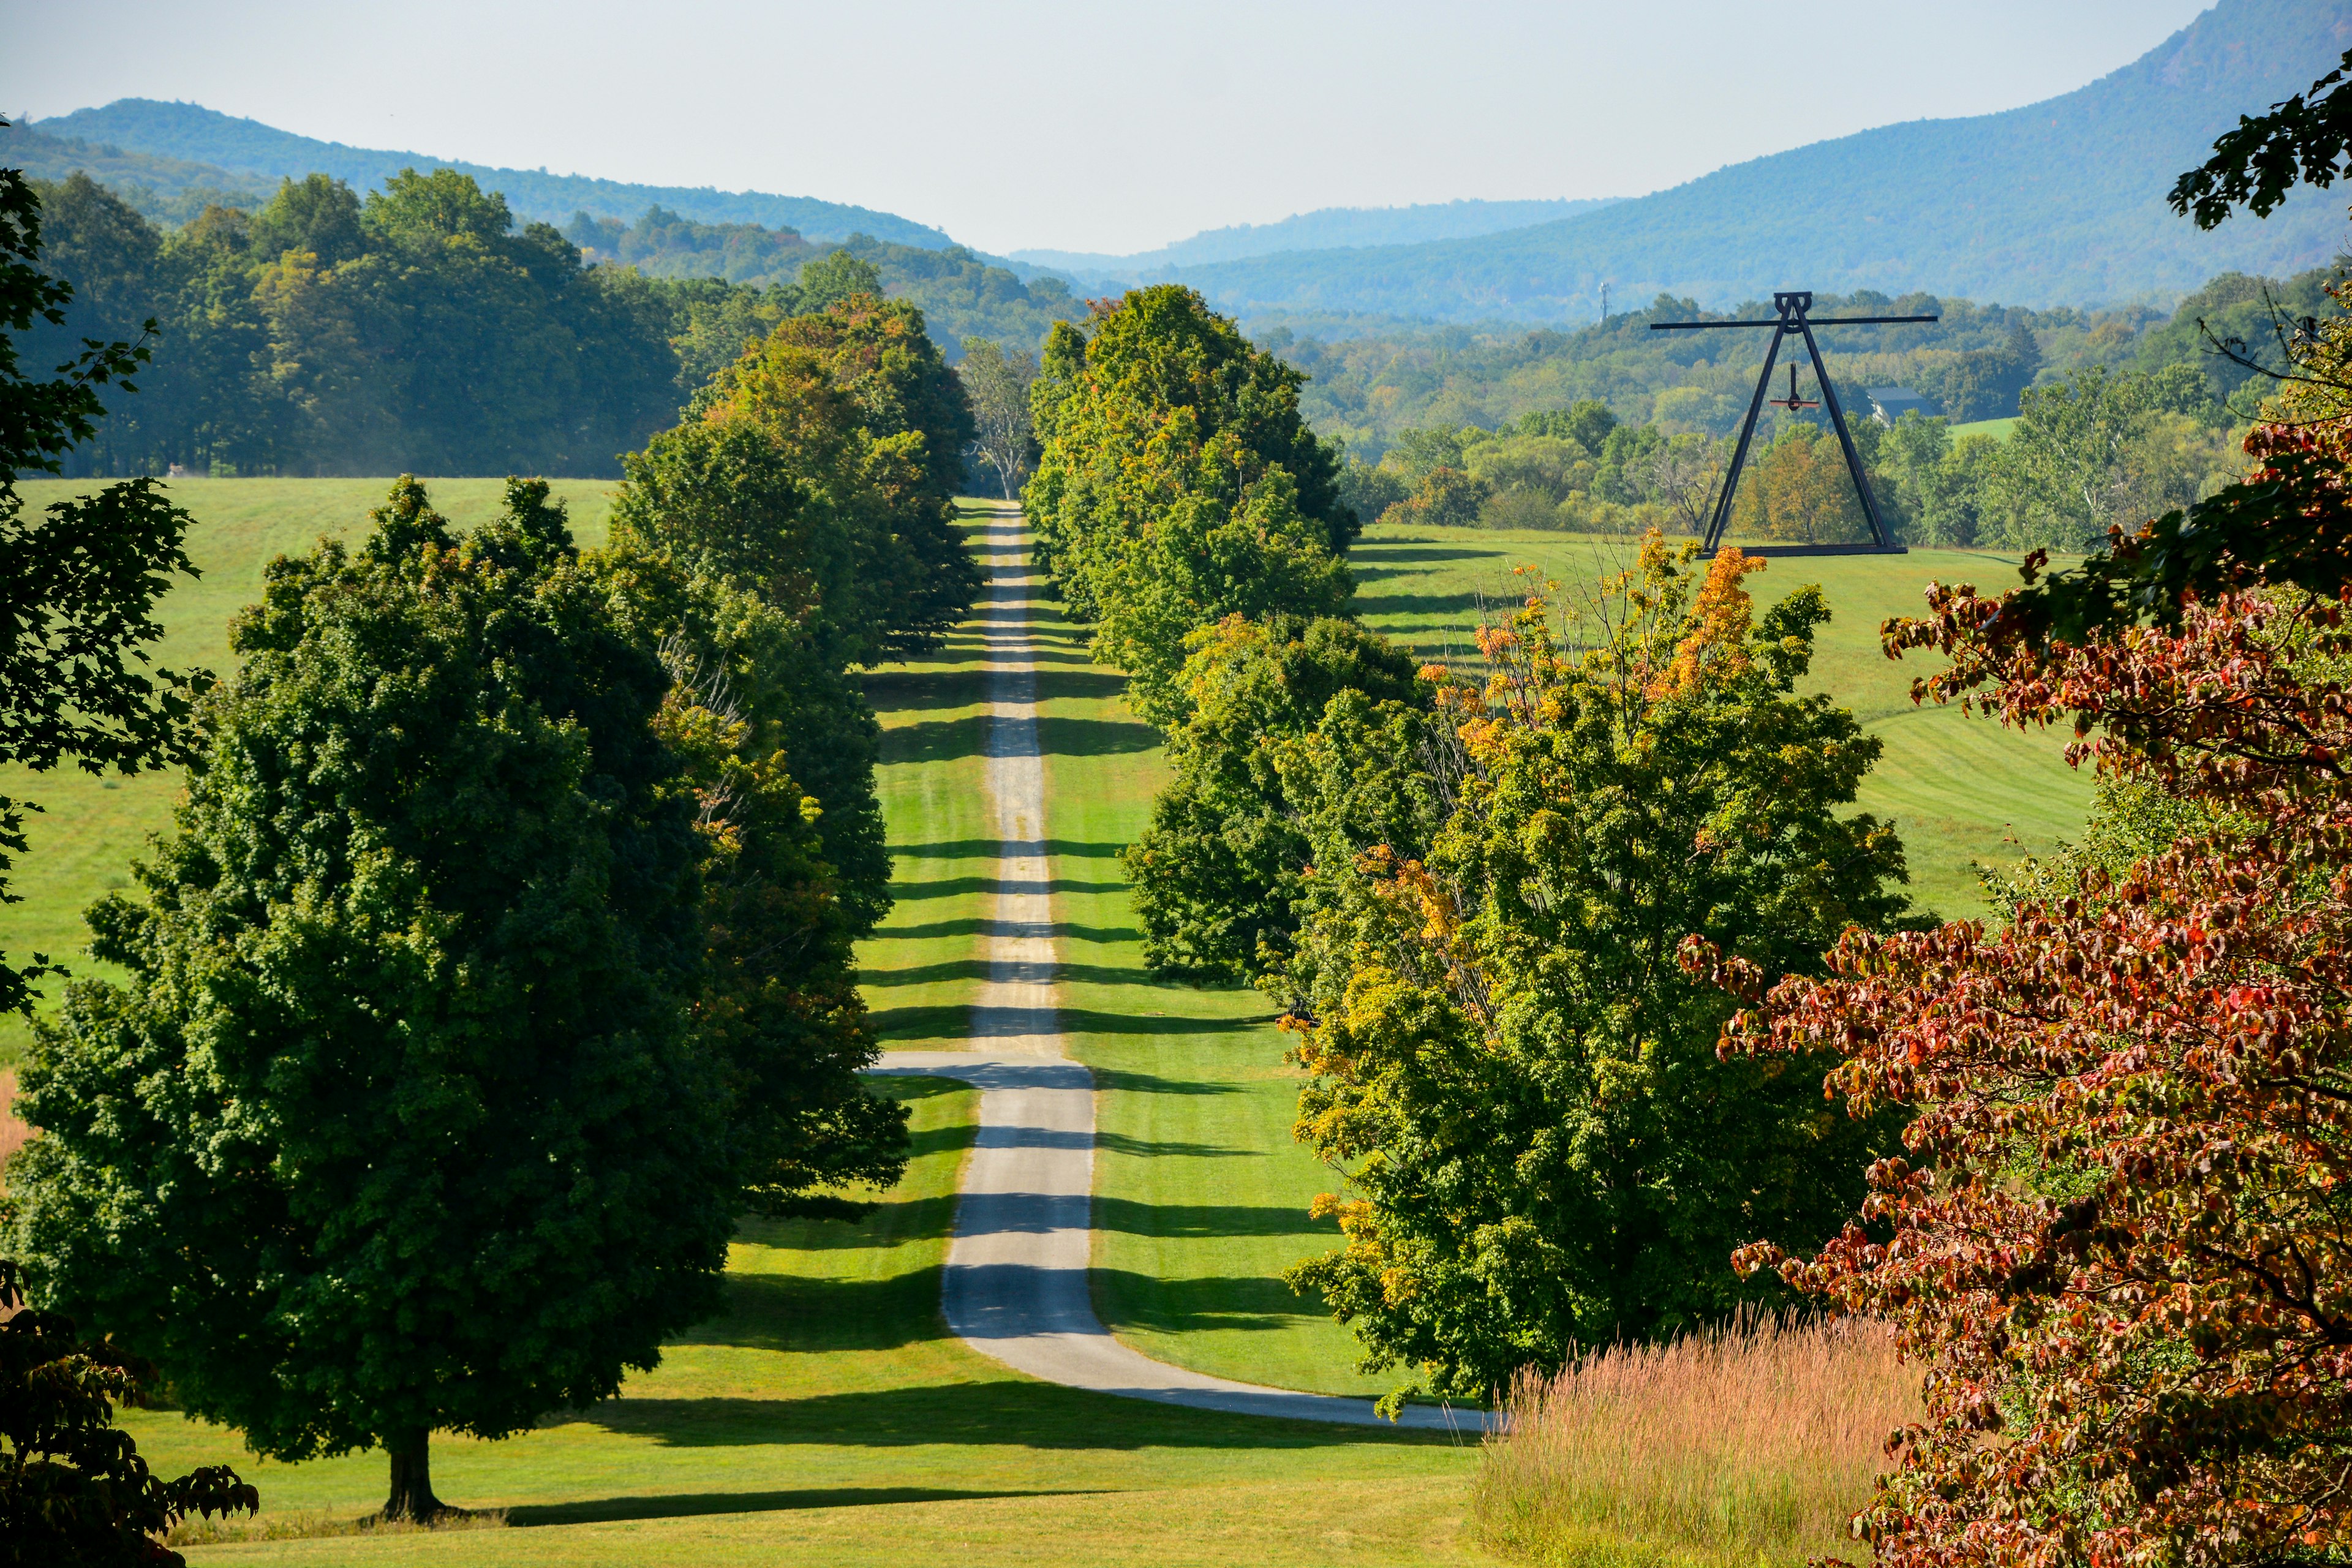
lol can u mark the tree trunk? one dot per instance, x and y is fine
(412, 1497)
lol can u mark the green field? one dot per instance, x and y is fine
(826, 1417)
(1998, 427)
(1961, 791)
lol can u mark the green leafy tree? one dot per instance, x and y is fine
(1445, 498)
(912, 424)
(78, 586)
(316, 214)
(1218, 874)
(396, 1124)
(1004, 435)
(1542, 1151)
(1178, 486)
(729, 543)
(834, 278)
(73, 1490)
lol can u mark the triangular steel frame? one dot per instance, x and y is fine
(1795, 320)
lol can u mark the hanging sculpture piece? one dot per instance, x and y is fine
(1795, 321)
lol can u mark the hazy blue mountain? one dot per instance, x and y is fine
(190, 133)
(2058, 203)
(1327, 228)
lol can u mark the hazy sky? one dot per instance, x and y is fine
(1088, 127)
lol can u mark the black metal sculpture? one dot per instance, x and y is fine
(1795, 321)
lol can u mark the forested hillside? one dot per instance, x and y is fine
(963, 294)
(2055, 203)
(1369, 388)
(188, 134)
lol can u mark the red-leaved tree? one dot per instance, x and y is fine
(2120, 1239)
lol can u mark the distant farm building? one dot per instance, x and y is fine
(1888, 403)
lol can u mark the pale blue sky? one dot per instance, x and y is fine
(1095, 127)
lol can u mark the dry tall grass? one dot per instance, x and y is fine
(1754, 1445)
(13, 1133)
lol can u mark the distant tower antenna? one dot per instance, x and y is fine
(1795, 321)
(1604, 304)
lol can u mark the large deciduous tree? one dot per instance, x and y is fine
(1541, 1149)
(1178, 485)
(1004, 435)
(398, 1124)
(1220, 872)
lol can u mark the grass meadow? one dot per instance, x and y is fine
(1713, 1451)
(826, 1417)
(1962, 791)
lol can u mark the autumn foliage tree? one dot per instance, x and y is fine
(1542, 1151)
(2120, 1233)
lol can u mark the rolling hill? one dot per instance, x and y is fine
(2057, 202)
(205, 144)
(1327, 228)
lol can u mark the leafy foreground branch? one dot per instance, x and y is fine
(73, 1488)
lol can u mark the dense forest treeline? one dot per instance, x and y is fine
(419, 330)
(1368, 387)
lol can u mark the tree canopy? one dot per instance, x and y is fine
(1542, 1152)
(1178, 485)
(397, 1124)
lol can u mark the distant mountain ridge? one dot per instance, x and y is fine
(2057, 202)
(190, 133)
(1326, 228)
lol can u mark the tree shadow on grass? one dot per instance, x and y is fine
(1257, 1303)
(1195, 1220)
(978, 969)
(934, 740)
(945, 1021)
(975, 848)
(972, 925)
(1148, 1083)
(1089, 1021)
(1006, 1413)
(1079, 685)
(1060, 737)
(796, 1312)
(952, 886)
(695, 1505)
(1383, 551)
(907, 690)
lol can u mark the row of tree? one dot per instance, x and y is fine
(1466, 889)
(2088, 451)
(500, 954)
